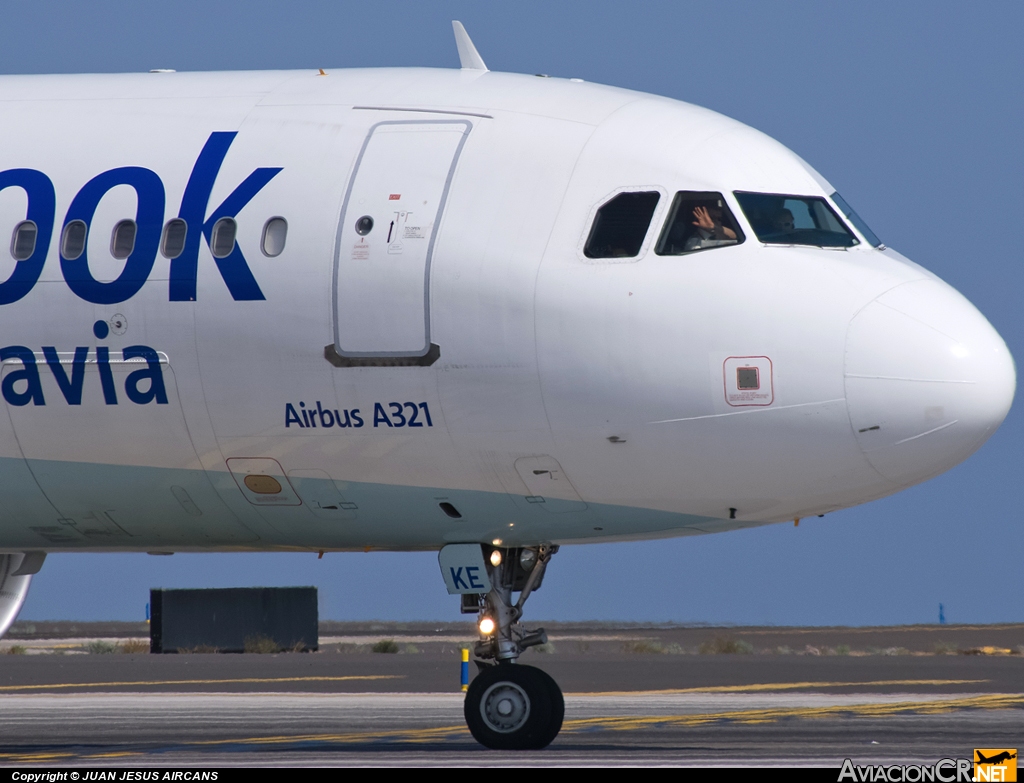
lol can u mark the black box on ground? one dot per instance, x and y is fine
(234, 619)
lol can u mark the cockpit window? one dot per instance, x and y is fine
(854, 218)
(794, 220)
(698, 221)
(621, 225)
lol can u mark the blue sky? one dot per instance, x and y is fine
(913, 111)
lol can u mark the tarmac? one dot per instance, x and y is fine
(635, 696)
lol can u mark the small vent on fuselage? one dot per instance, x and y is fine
(450, 510)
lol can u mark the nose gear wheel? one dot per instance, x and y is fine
(513, 707)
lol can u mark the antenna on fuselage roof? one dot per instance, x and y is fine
(469, 57)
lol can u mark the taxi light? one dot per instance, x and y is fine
(486, 626)
(496, 557)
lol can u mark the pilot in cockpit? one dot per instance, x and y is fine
(711, 232)
(699, 220)
(783, 221)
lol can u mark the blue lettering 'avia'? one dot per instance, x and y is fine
(149, 218)
(22, 384)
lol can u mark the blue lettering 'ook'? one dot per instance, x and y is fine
(149, 217)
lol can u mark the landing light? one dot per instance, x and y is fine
(486, 626)
(527, 558)
(496, 557)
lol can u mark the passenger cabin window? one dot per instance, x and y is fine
(621, 225)
(122, 239)
(172, 243)
(223, 239)
(72, 243)
(794, 220)
(275, 231)
(854, 218)
(698, 221)
(23, 242)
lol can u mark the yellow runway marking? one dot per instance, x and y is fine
(240, 680)
(35, 756)
(775, 686)
(752, 688)
(988, 702)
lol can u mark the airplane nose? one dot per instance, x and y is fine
(928, 380)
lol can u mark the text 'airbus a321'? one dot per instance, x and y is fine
(416, 309)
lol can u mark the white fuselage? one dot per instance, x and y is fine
(480, 360)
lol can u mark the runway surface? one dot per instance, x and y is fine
(382, 710)
(427, 729)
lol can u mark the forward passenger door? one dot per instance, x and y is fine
(386, 237)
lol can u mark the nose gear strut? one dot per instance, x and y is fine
(517, 569)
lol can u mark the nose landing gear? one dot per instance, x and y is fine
(510, 706)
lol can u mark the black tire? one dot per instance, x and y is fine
(512, 707)
(557, 709)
